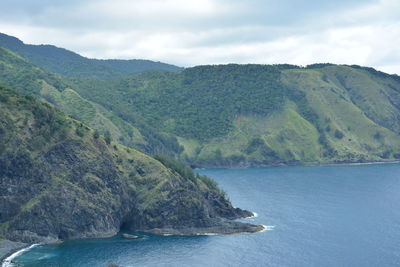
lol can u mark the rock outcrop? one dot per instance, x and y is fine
(60, 180)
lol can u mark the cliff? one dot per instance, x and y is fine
(59, 179)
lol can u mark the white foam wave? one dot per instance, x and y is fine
(8, 262)
(206, 234)
(268, 228)
(253, 215)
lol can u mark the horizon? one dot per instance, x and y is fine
(215, 32)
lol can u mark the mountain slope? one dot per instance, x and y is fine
(60, 180)
(65, 62)
(233, 115)
(26, 78)
(244, 115)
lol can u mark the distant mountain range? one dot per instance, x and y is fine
(222, 115)
(68, 63)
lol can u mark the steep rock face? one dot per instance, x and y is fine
(61, 180)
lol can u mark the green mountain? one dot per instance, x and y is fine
(247, 115)
(231, 115)
(65, 62)
(59, 179)
(26, 78)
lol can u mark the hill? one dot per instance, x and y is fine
(26, 78)
(252, 115)
(59, 179)
(231, 115)
(68, 63)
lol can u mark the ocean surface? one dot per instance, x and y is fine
(318, 216)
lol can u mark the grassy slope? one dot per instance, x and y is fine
(337, 111)
(363, 110)
(18, 73)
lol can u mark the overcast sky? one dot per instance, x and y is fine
(194, 32)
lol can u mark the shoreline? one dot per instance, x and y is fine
(260, 228)
(15, 249)
(6, 260)
(304, 164)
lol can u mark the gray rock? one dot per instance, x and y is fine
(8, 247)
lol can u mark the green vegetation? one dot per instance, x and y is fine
(338, 134)
(230, 115)
(188, 173)
(198, 103)
(57, 166)
(253, 114)
(26, 78)
(64, 62)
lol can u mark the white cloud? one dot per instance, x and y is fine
(218, 31)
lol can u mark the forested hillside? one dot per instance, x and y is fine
(231, 115)
(21, 75)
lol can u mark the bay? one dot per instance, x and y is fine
(317, 216)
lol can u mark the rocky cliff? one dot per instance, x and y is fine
(59, 180)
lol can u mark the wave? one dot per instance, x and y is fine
(254, 214)
(207, 234)
(8, 262)
(268, 228)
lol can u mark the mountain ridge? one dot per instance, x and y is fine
(68, 63)
(241, 115)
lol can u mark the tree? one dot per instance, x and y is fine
(339, 134)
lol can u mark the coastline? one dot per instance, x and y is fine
(306, 164)
(7, 260)
(206, 231)
(9, 248)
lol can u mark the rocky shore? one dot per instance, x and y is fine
(228, 229)
(253, 164)
(224, 227)
(8, 247)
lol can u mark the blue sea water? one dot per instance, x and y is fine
(323, 216)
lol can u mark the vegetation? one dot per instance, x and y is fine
(230, 115)
(57, 165)
(64, 62)
(25, 78)
(193, 103)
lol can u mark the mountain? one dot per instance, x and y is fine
(59, 179)
(231, 115)
(26, 78)
(65, 62)
(253, 115)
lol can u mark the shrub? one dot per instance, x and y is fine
(96, 134)
(377, 136)
(107, 139)
(176, 166)
(79, 132)
(339, 134)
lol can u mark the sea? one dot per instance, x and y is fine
(315, 216)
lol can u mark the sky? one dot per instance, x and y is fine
(198, 32)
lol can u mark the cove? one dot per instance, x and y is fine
(315, 216)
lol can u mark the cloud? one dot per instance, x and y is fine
(196, 32)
